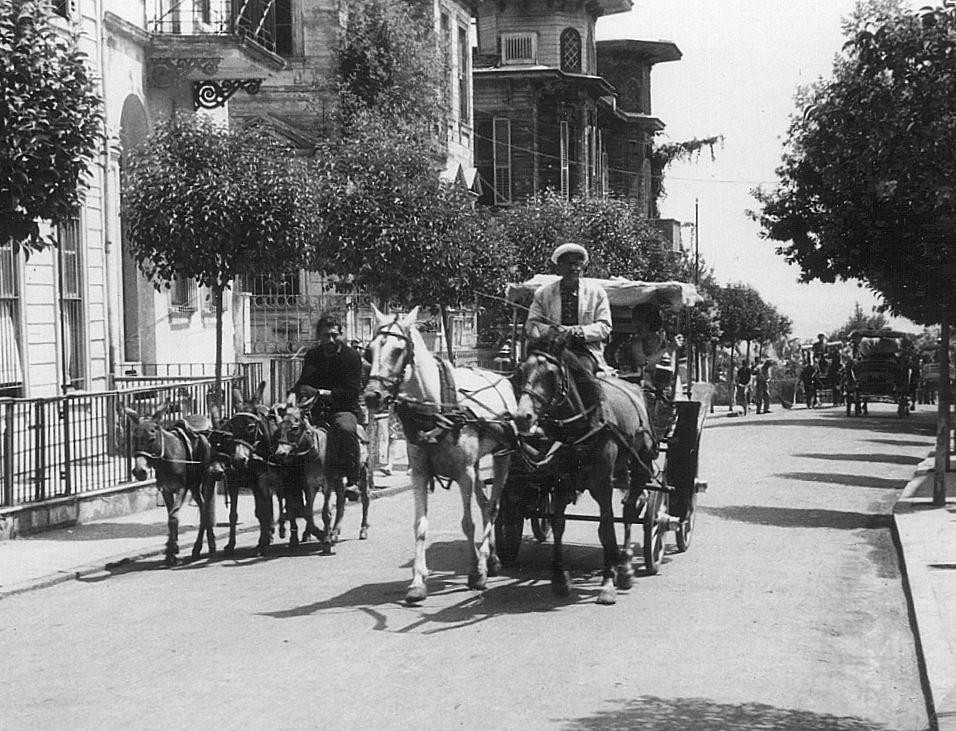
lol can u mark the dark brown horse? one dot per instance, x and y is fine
(603, 426)
(179, 456)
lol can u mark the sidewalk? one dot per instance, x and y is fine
(47, 558)
(927, 537)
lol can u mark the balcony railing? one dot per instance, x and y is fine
(251, 19)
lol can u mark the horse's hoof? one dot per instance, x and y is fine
(229, 549)
(608, 595)
(561, 584)
(327, 548)
(170, 560)
(416, 594)
(624, 580)
(334, 536)
(294, 540)
(494, 566)
(282, 532)
(478, 581)
(363, 534)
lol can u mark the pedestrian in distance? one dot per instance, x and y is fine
(809, 377)
(332, 373)
(744, 376)
(763, 387)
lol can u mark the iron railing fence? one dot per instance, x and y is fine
(79, 443)
(158, 374)
(252, 19)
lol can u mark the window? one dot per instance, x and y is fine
(565, 161)
(11, 369)
(182, 295)
(283, 10)
(72, 321)
(464, 78)
(571, 51)
(502, 154)
(65, 8)
(519, 47)
(447, 54)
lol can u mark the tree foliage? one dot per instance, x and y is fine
(50, 121)
(213, 204)
(744, 316)
(860, 320)
(867, 187)
(388, 64)
(392, 228)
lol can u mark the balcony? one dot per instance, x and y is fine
(233, 41)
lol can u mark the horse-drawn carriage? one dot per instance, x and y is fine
(879, 370)
(660, 495)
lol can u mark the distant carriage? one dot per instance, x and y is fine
(879, 370)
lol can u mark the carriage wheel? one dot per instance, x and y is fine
(654, 531)
(540, 525)
(509, 527)
(686, 529)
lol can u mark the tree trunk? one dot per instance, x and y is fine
(443, 313)
(943, 426)
(218, 393)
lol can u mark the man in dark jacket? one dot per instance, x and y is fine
(332, 372)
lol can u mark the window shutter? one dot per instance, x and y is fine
(502, 161)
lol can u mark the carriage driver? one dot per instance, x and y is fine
(572, 307)
(332, 372)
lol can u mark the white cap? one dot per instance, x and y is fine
(569, 249)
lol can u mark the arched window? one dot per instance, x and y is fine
(571, 51)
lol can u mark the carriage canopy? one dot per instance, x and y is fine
(620, 292)
(878, 343)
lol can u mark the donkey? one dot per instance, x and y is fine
(452, 417)
(602, 423)
(179, 457)
(301, 449)
(241, 448)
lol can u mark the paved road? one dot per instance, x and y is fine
(787, 613)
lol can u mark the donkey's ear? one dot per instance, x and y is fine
(128, 412)
(411, 318)
(237, 397)
(380, 318)
(290, 399)
(161, 411)
(215, 415)
(259, 393)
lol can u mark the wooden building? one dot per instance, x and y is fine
(556, 109)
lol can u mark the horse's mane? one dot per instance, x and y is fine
(588, 387)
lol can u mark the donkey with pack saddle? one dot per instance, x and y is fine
(451, 417)
(302, 458)
(179, 455)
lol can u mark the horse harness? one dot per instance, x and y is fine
(191, 440)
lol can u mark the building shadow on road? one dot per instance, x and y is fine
(878, 483)
(103, 531)
(882, 423)
(800, 517)
(928, 443)
(900, 459)
(703, 714)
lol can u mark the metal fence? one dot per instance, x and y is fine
(249, 375)
(78, 443)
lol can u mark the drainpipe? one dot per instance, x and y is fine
(107, 207)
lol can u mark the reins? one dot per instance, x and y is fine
(161, 457)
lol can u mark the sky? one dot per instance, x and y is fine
(742, 62)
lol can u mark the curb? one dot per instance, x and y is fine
(937, 663)
(124, 559)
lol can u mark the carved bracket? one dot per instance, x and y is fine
(164, 72)
(212, 94)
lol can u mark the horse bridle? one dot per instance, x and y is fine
(162, 446)
(256, 420)
(392, 384)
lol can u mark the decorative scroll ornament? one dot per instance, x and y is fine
(164, 72)
(211, 94)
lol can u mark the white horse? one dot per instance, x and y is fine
(452, 417)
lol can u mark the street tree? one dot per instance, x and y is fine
(50, 124)
(860, 320)
(210, 203)
(867, 187)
